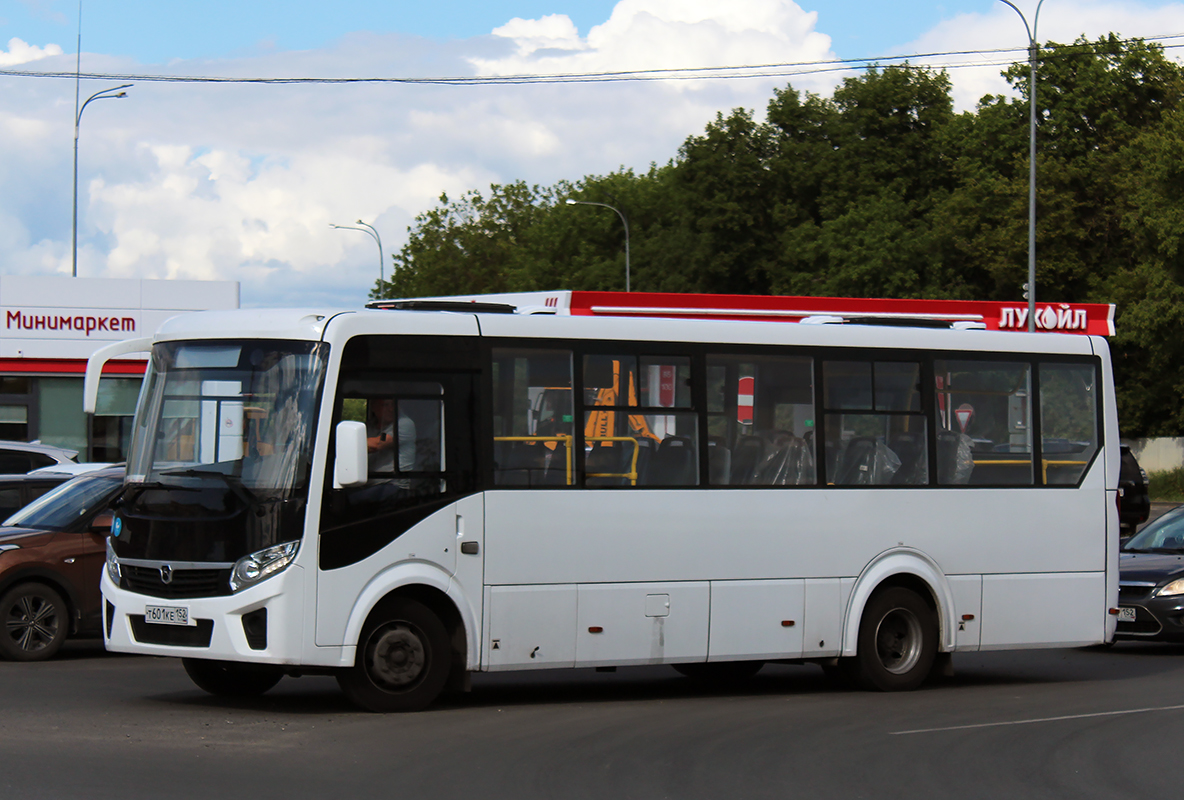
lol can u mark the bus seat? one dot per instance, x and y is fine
(745, 457)
(914, 468)
(865, 461)
(955, 458)
(603, 458)
(523, 465)
(673, 463)
(719, 462)
(555, 465)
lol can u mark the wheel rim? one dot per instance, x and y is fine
(396, 657)
(898, 641)
(32, 623)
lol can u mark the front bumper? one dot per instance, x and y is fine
(1157, 619)
(225, 628)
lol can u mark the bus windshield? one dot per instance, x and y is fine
(231, 412)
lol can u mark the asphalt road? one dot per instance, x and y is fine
(1033, 724)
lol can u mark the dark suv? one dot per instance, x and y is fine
(52, 553)
(1134, 497)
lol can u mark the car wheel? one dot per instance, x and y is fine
(231, 679)
(36, 622)
(897, 641)
(719, 672)
(403, 659)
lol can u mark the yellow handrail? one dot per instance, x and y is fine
(1046, 463)
(567, 439)
(632, 473)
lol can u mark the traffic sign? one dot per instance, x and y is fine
(964, 413)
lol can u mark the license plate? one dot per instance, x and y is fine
(166, 615)
(1127, 614)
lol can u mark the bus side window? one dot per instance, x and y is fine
(640, 428)
(533, 419)
(983, 435)
(760, 420)
(1068, 421)
(875, 427)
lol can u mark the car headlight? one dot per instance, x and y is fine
(4, 547)
(112, 564)
(1173, 588)
(251, 569)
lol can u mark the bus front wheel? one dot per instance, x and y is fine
(403, 659)
(897, 641)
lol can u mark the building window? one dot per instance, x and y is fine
(111, 427)
(14, 423)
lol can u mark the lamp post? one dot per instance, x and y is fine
(624, 221)
(374, 234)
(1032, 52)
(105, 94)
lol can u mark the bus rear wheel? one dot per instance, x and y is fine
(403, 659)
(231, 679)
(897, 641)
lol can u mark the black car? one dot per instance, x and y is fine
(1134, 497)
(1151, 581)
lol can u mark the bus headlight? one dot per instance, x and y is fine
(1173, 588)
(251, 569)
(112, 564)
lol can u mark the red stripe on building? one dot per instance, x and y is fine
(67, 366)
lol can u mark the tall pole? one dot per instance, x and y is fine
(377, 239)
(368, 229)
(105, 94)
(624, 221)
(1033, 48)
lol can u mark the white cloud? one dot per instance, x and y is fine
(659, 34)
(1001, 28)
(554, 32)
(20, 52)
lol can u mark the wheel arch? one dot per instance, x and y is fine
(910, 569)
(430, 586)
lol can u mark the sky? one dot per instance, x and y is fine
(243, 181)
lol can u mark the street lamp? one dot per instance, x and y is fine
(1032, 51)
(373, 233)
(571, 202)
(103, 95)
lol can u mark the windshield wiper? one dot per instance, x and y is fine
(233, 482)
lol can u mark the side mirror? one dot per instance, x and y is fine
(350, 465)
(102, 523)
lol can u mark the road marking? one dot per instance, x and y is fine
(1041, 719)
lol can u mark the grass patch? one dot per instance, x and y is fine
(1167, 486)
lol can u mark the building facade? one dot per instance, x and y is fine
(52, 324)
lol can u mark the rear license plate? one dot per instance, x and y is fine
(166, 615)
(1127, 614)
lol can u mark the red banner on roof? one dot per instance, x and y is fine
(1084, 318)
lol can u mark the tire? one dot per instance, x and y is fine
(231, 679)
(897, 641)
(36, 622)
(403, 659)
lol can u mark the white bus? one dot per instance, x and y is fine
(401, 498)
